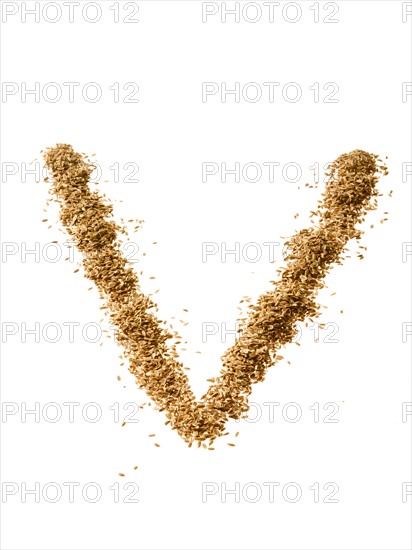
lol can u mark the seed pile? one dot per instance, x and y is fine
(271, 323)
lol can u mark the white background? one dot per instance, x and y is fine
(169, 133)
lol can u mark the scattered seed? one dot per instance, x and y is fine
(350, 192)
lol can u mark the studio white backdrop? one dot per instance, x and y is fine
(207, 119)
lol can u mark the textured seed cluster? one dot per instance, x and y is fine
(271, 322)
